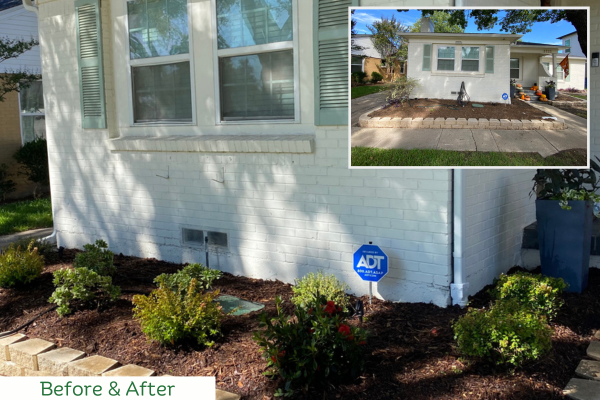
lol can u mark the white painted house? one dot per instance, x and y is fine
(235, 129)
(577, 63)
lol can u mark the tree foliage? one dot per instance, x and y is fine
(354, 48)
(388, 41)
(14, 80)
(441, 23)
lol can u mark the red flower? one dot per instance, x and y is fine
(281, 353)
(310, 310)
(350, 338)
(273, 359)
(330, 307)
(344, 329)
(434, 331)
(311, 330)
(362, 343)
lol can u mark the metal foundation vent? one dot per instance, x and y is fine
(199, 237)
(194, 236)
(217, 239)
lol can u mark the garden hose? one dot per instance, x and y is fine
(12, 332)
(435, 105)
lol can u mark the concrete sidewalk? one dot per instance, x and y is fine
(6, 240)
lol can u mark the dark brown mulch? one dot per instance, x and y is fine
(410, 353)
(435, 108)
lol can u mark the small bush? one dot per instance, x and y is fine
(83, 287)
(7, 186)
(18, 266)
(168, 317)
(358, 76)
(401, 91)
(315, 347)
(308, 289)
(541, 294)
(96, 257)
(43, 247)
(34, 157)
(506, 334)
(180, 281)
(376, 77)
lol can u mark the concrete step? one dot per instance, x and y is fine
(582, 389)
(593, 351)
(588, 370)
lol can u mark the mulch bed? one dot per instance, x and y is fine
(436, 108)
(410, 353)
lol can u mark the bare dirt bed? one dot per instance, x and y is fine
(564, 97)
(410, 353)
(435, 108)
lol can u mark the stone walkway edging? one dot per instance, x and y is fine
(461, 123)
(586, 384)
(22, 356)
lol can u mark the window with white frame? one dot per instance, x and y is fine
(445, 61)
(560, 73)
(515, 68)
(256, 60)
(356, 64)
(159, 60)
(568, 43)
(33, 120)
(470, 59)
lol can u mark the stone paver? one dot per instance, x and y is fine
(484, 140)
(593, 350)
(54, 363)
(7, 341)
(25, 353)
(582, 389)
(523, 141)
(91, 366)
(130, 370)
(457, 139)
(588, 370)
(223, 395)
(9, 368)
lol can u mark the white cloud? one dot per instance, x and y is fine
(365, 18)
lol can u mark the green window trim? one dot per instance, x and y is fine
(489, 59)
(427, 57)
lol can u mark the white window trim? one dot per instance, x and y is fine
(22, 114)
(150, 61)
(457, 61)
(240, 51)
(520, 78)
(362, 64)
(471, 59)
(437, 58)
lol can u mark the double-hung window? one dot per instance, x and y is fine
(160, 63)
(356, 64)
(568, 43)
(33, 121)
(514, 68)
(470, 59)
(445, 61)
(257, 73)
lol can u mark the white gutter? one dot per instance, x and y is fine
(459, 288)
(459, 3)
(29, 6)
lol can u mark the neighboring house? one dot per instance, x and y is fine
(577, 63)
(369, 60)
(148, 156)
(21, 114)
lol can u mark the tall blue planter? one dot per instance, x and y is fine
(565, 238)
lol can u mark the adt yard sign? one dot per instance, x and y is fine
(370, 263)
(504, 96)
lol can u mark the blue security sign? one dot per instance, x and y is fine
(370, 263)
(504, 96)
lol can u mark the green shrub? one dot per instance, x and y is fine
(18, 266)
(358, 76)
(541, 294)
(313, 348)
(43, 247)
(506, 333)
(96, 257)
(34, 158)
(376, 77)
(311, 286)
(168, 317)
(180, 281)
(82, 286)
(7, 186)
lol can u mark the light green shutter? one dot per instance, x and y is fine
(330, 26)
(489, 59)
(89, 57)
(426, 57)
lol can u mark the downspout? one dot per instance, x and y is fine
(29, 6)
(459, 288)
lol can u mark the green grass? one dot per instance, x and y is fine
(580, 96)
(25, 215)
(369, 156)
(359, 91)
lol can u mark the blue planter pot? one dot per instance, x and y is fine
(565, 238)
(550, 93)
(513, 90)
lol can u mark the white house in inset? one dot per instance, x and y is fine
(577, 64)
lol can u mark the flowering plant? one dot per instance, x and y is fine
(313, 347)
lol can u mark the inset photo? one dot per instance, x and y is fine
(469, 87)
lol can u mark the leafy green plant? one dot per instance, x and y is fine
(180, 281)
(312, 348)
(19, 265)
(168, 317)
(541, 294)
(96, 257)
(553, 184)
(513, 82)
(43, 247)
(506, 334)
(34, 158)
(7, 186)
(81, 286)
(376, 77)
(358, 76)
(569, 194)
(401, 91)
(308, 289)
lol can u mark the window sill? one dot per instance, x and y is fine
(217, 144)
(472, 75)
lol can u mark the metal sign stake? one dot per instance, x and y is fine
(370, 291)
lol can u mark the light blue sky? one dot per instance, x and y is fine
(542, 32)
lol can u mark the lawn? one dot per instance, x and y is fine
(369, 156)
(359, 91)
(24, 215)
(579, 96)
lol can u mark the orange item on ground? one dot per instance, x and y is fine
(522, 97)
(543, 99)
(527, 98)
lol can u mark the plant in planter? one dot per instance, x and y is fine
(564, 211)
(550, 90)
(513, 87)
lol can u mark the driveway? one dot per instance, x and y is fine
(544, 142)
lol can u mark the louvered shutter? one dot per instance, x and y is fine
(489, 59)
(331, 59)
(89, 57)
(426, 57)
